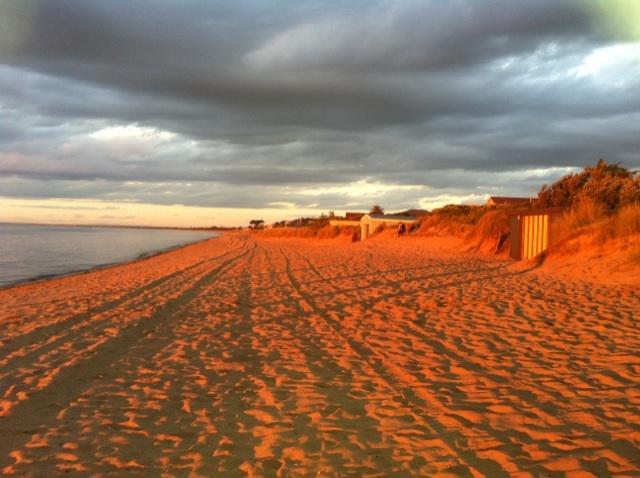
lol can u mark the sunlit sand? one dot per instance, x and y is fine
(243, 356)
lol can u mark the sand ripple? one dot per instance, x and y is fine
(238, 357)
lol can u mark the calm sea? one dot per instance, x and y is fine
(30, 252)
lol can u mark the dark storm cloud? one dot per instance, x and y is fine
(423, 35)
(261, 97)
(310, 71)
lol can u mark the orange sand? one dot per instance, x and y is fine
(256, 357)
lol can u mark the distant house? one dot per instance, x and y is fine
(354, 216)
(501, 201)
(349, 219)
(370, 223)
(414, 213)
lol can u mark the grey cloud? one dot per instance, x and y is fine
(268, 97)
(422, 36)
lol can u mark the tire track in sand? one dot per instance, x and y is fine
(32, 415)
(26, 370)
(41, 335)
(162, 397)
(507, 445)
(395, 383)
(320, 424)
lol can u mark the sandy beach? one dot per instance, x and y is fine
(241, 356)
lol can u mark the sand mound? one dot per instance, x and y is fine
(587, 258)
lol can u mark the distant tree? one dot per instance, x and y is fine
(332, 214)
(256, 223)
(376, 210)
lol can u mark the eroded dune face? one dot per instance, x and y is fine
(244, 357)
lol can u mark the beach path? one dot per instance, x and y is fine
(246, 357)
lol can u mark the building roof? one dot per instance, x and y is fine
(392, 217)
(508, 201)
(353, 216)
(414, 213)
(536, 212)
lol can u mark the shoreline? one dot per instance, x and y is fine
(139, 258)
(115, 226)
(561, 267)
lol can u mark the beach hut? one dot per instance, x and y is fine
(529, 232)
(370, 223)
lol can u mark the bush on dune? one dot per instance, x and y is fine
(587, 220)
(327, 232)
(308, 232)
(609, 186)
(627, 221)
(492, 231)
(451, 219)
(461, 213)
(287, 232)
(492, 223)
(584, 214)
(472, 222)
(602, 204)
(603, 200)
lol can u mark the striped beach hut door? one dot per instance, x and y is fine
(529, 235)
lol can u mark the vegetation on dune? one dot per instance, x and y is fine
(314, 231)
(575, 220)
(450, 219)
(588, 226)
(603, 200)
(492, 223)
(627, 221)
(608, 186)
(477, 224)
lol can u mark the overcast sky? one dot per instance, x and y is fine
(302, 106)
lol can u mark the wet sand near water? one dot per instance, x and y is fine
(246, 357)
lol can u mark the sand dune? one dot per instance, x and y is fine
(247, 357)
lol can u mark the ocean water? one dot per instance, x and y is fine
(31, 251)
